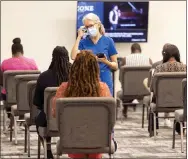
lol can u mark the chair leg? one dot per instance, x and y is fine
(4, 119)
(147, 113)
(11, 121)
(181, 129)
(45, 148)
(134, 108)
(57, 156)
(173, 138)
(15, 129)
(150, 123)
(25, 146)
(143, 111)
(154, 122)
(28, 138)
(110, 156)
(39, 147)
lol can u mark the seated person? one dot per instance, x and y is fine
(171, 63)
(147, 85)
(136, 58)
(17, 62)
(84, 74)
(57, 73)
(154, 65)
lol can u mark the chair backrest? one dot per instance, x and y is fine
(120, 61)
(150, 77)
(168, 89)
(132, 80)
(31, 86)
(85, 122)
(184, 91)
(9, 84)
(21, 91)
(49, 93)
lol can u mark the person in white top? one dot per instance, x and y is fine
(114, 15)
(136, 58)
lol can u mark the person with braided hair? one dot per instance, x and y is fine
(84, 81)
(57, 73)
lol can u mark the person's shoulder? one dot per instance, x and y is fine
(28, 59)
(63, 87)
(182, 64)
(108, 39)
(105, 37)
(103, 85)
(7, 60)
(43, 76)
(160, 65)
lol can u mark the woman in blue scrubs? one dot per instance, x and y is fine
(96, 41)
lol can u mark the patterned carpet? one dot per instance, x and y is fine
(133, 141)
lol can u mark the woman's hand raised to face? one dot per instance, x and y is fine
(81, 32)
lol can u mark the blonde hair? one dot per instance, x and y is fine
(95, 19)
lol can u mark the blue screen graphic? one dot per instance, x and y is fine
(123, 21)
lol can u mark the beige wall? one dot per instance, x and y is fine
(43, 25)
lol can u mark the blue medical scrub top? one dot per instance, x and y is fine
(104, 45)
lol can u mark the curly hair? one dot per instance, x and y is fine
(84, 76)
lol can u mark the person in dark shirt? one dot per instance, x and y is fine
(57, 73)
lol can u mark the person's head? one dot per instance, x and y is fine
(60, 63)
(165, 47)
(115, 8)
(92, 22)
(84, 76)
(135, 48)
(171, 53)
(17, 48)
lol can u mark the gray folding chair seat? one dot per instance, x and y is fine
(51, 129)
(90, 129)
(181, 115)
(21, 98)
(131, 79)
(9, 84)
(168, 94)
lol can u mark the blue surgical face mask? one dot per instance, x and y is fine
(92, 31)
